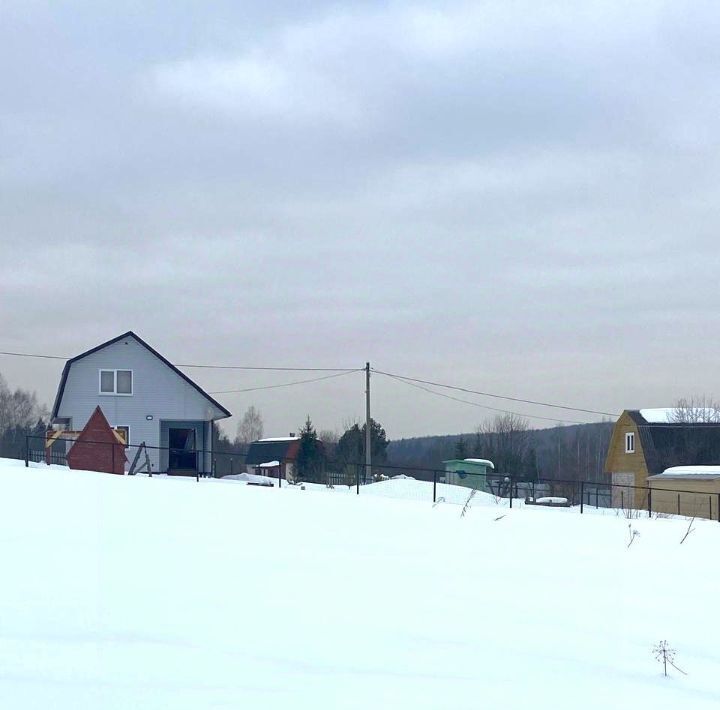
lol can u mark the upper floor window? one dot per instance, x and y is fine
(630, 442)
(116, 382)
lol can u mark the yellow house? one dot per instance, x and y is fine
(645, 443)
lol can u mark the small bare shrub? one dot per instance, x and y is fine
(690, 529)
(632, 534)
(666, 655)
(466, 507)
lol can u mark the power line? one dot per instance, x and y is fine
(288, 384)
(210, 367)
(347, 370)
(44, 357)
(477, 404)
(496, 396)
(341, 370)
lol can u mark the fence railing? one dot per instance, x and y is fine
(447, 486)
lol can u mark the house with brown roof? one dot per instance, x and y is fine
(275, 457)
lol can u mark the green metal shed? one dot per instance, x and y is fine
(469, 472)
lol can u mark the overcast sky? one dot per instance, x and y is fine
(520, 197)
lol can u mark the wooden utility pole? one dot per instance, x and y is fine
(368, 451)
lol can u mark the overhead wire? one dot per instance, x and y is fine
(495, 396)
(341, 370)
(44, 357)
(338, 371)
(483, 406)
(288, 384)
(210, 367)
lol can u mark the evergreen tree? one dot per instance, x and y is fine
(460, 449)
(350, 451)
(311, 455)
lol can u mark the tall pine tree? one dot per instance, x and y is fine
(311, 455)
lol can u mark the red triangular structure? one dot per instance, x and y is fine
(97, 448)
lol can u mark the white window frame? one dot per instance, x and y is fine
(124, 426)
(629, 442)
(115, 393)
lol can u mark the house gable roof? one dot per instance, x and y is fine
(667, 444)
(140, 341)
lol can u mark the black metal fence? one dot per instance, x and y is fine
(139, 458)
(436, 485)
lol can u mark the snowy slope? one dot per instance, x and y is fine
(124, 592)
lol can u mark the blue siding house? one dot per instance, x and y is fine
(141, 392)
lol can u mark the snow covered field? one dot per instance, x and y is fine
(129, 592)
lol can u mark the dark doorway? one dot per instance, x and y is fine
(183, 455)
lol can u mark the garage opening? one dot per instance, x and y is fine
(183, 457)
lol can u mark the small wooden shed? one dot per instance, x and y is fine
(98, 447)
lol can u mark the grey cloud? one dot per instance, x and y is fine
(518, 196)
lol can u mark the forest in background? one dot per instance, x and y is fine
(572, 452)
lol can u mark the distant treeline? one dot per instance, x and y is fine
(575, 452)
(20, 416)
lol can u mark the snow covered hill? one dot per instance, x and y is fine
(125, 592)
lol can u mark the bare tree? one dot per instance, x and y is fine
(250, 427)
(20, 416)
(505, 440)
(329, 437)
(19, 408)
(695, 410)
(696, 442)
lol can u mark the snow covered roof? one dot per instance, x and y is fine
(661, 415)
(689, 472)
(269, 464)
(279, 438)
(483, 461)
(665, 415)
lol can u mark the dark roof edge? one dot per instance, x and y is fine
(638, 418)
(129, 333)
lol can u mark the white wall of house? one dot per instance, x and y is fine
(158, 393)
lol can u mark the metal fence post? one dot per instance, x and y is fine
(678, 504)
(511, 492)
(582, 496)
(434, 486)
(27, 451)
(649, 502)
(357, 479)
(718, 508)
